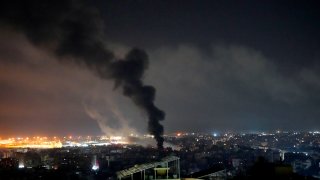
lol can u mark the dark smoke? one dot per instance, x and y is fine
(73, 30)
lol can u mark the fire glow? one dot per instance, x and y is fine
(55, 142)
(35, 142)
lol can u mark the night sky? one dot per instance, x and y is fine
(216, 65)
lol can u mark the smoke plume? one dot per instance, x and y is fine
(73, 31)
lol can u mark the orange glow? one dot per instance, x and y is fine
(36, 142)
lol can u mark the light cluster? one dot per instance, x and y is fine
(34, 142)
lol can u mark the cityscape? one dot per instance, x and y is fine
(294, 155)
(160, 90)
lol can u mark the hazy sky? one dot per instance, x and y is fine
(216, 65)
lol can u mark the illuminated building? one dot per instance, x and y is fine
(95, 164)
(21, 163)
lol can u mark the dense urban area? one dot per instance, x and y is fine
(290, 155)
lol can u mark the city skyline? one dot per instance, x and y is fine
(216, 66)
